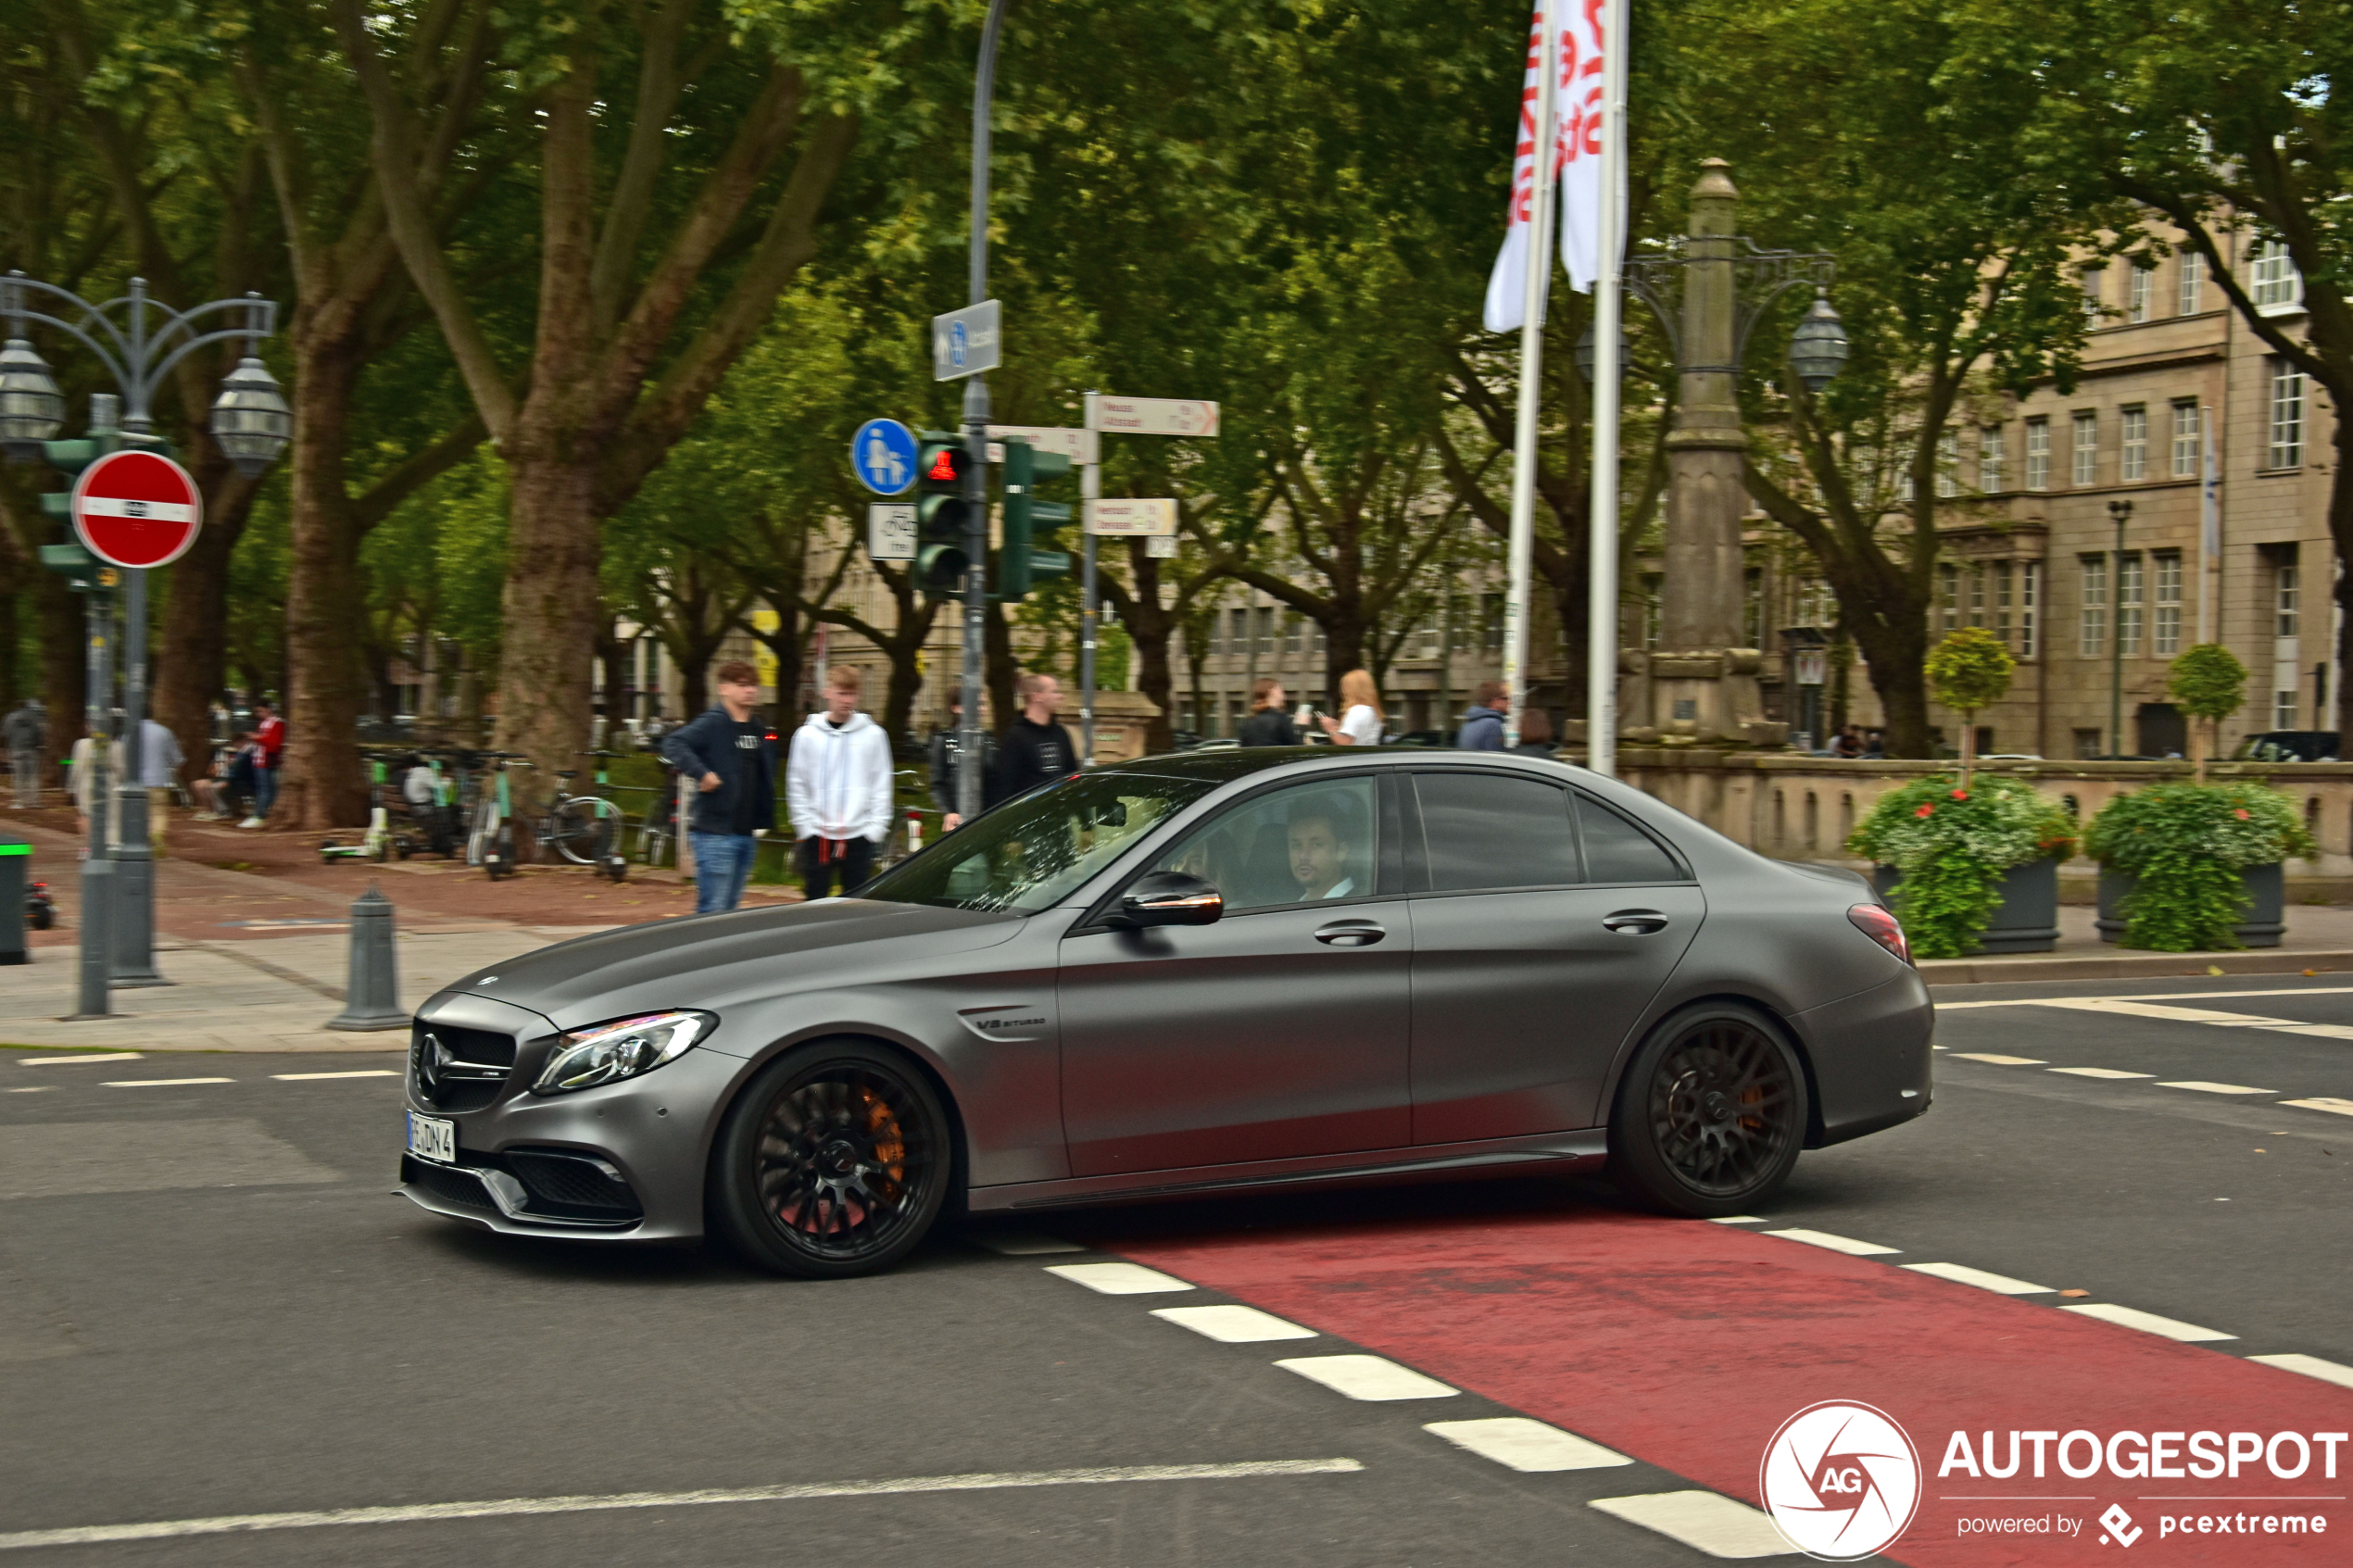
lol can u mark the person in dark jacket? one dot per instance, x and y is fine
(732, 759)
(1483, 725)
(1034, 749)
(946, 767)
(1536, 734)
(1269, 722)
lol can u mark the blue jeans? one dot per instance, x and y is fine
(265, 790)
(723, 864)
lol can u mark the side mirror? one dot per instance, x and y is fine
(1170, 898)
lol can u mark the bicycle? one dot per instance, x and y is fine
(587, 829)
(491, 845)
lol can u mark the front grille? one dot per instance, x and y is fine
(573, 1187)
(461, 1188)
(455, 1069)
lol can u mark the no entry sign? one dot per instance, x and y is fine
(136, 510)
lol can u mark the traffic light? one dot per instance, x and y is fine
(1021, 565)
(941, 512)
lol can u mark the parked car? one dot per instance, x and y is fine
(2288, 746)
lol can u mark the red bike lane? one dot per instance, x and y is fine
(1687, 1344)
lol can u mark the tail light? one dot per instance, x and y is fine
(1874, 921)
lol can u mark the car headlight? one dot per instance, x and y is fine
(608, 1052)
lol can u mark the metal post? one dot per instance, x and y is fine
(2119, 510)
(2209, 531)
(97, 865)
(1609, 296)
(372, 991)
(1531, 363)
(1091, 489)
(135, 928)
(971, 762)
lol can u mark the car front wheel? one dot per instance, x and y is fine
(834, 1162)
(1711, 1115)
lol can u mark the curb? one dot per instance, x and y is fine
(2150, 966)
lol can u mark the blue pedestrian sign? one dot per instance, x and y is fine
(884, 454)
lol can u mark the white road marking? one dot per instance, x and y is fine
(239, 1524)
(1367, 1377)
(2148, 1323)
(158, 1083)
(2334, 1107)
(1519, 1443)
(304, 1077)
(1845, 1244)
(2153, 996)
(2310, 1366)
(2100, 1073)
(36, 1089)
(1962, 1274)
(2000, 1061)
(1233, 1325)
(1118, 1279)
(1739, 1220)
(71, 1060)
(1022, 1244)
(2131, 1007)
(2202, 1087)
(1707, 1521)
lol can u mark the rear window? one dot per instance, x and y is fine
(1615, 850)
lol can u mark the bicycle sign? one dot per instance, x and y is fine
(884, 454)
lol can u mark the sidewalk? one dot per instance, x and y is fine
(2320, 937)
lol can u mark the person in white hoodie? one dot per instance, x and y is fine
(838, 790)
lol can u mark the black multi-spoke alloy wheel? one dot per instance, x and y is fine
(1711, 1114)
(834, 1162)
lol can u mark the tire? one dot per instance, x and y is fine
(580, 833)
(478, 836)
(503, 847)
(41, 919)
(1711, 1115)
(832, 1163)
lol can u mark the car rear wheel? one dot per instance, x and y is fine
(1711, 1115)
(834, 1162)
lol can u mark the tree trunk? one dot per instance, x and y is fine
(612, 659)
(1897, 658)
(1968, 744)
(324, 785)
(12, 598)
(550, 608)
(998, 671)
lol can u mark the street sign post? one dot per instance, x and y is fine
(890, 530)
(136, 509)
(1152, 416)
(1131, 517)
(965, 342)
(883, 452)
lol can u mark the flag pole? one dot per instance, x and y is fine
(1601, 635)
(1531, 364)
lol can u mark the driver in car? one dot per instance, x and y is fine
(1319, 854)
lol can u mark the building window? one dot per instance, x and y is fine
(1238, 643)
(2087, 746)
(1949, 597)
(2185, 439)
(2005, 618)
(2277, 286)
(2086, 467)
(2092, 640)
(1948, 463)
(2284, 709)
(1290, 633)
(1976, 611)
(2287, 446)
(2038, 454)
(2189, 284)
(1992, 459)
(1654, 609)
(2141, 288)
(1753, 605)
(2094, 278)
(2285, 590)
(2166, 635)
(2030, 596)
(2133, 449)
(2128, 603)
(1815, 606)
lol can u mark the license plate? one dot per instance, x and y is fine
(433, 1137)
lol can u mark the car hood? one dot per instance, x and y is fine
(711, 960)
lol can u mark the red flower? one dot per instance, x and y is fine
(1960, 795)
(2241, 814)
(1925, 811)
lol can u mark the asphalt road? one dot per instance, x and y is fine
(211, 1305)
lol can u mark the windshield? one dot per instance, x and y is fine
(1032, 853)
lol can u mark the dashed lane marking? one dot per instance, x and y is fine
(2334, 1107)
(36, 1089)
(1022, 1244)
(158, 1083)
(2154, 997)
(1118, 1279)
(2001, 1285)
(1519, 1442)
(2310, 1366)
(1707, 1521)
(1999, 1060)
(1368, 1377)
(1845, 1244)
(1739, 1220)
(1233, 1325)
(2148, 1323)
(76, 1061)
(2202, 1087)
(2099, 1072)
(308, 1077)
(238, 1523)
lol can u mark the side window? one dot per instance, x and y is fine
(1615, 850)
(1486, 829)
(1313, 841)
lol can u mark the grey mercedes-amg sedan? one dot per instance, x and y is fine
(1190, 974)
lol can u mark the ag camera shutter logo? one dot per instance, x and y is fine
(1841, 1480)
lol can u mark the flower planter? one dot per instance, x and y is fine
(2266, 920)
(2028, 920)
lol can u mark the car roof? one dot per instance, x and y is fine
(1223, 767)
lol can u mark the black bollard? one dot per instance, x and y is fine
(371, 993)
(16, 871)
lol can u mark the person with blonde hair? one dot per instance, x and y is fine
(1360, 719)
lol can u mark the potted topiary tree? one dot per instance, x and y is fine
(2208, 683)
(1969, 670)
(1971, 868)
(2185, 866)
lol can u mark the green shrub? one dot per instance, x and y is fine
(1954, 844)
(2185, 844)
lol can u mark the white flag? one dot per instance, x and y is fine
(1577, 163)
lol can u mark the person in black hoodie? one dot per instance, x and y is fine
(1034, 749)
(1269, 722)
(732, 759)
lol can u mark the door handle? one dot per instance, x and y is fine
(1350, 933)
(1634, 923)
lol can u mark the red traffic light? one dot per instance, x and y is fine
(944, 464)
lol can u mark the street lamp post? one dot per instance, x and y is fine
(2118, 512)
(969, 743)
(140, 341)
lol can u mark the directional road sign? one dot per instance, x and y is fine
(884, 454)
(1154, 415)
(1132, 517)
(890, 530)
(965, 342)
(1078, 445)
(136, 509)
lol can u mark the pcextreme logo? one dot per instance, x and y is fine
(1841, 1480)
